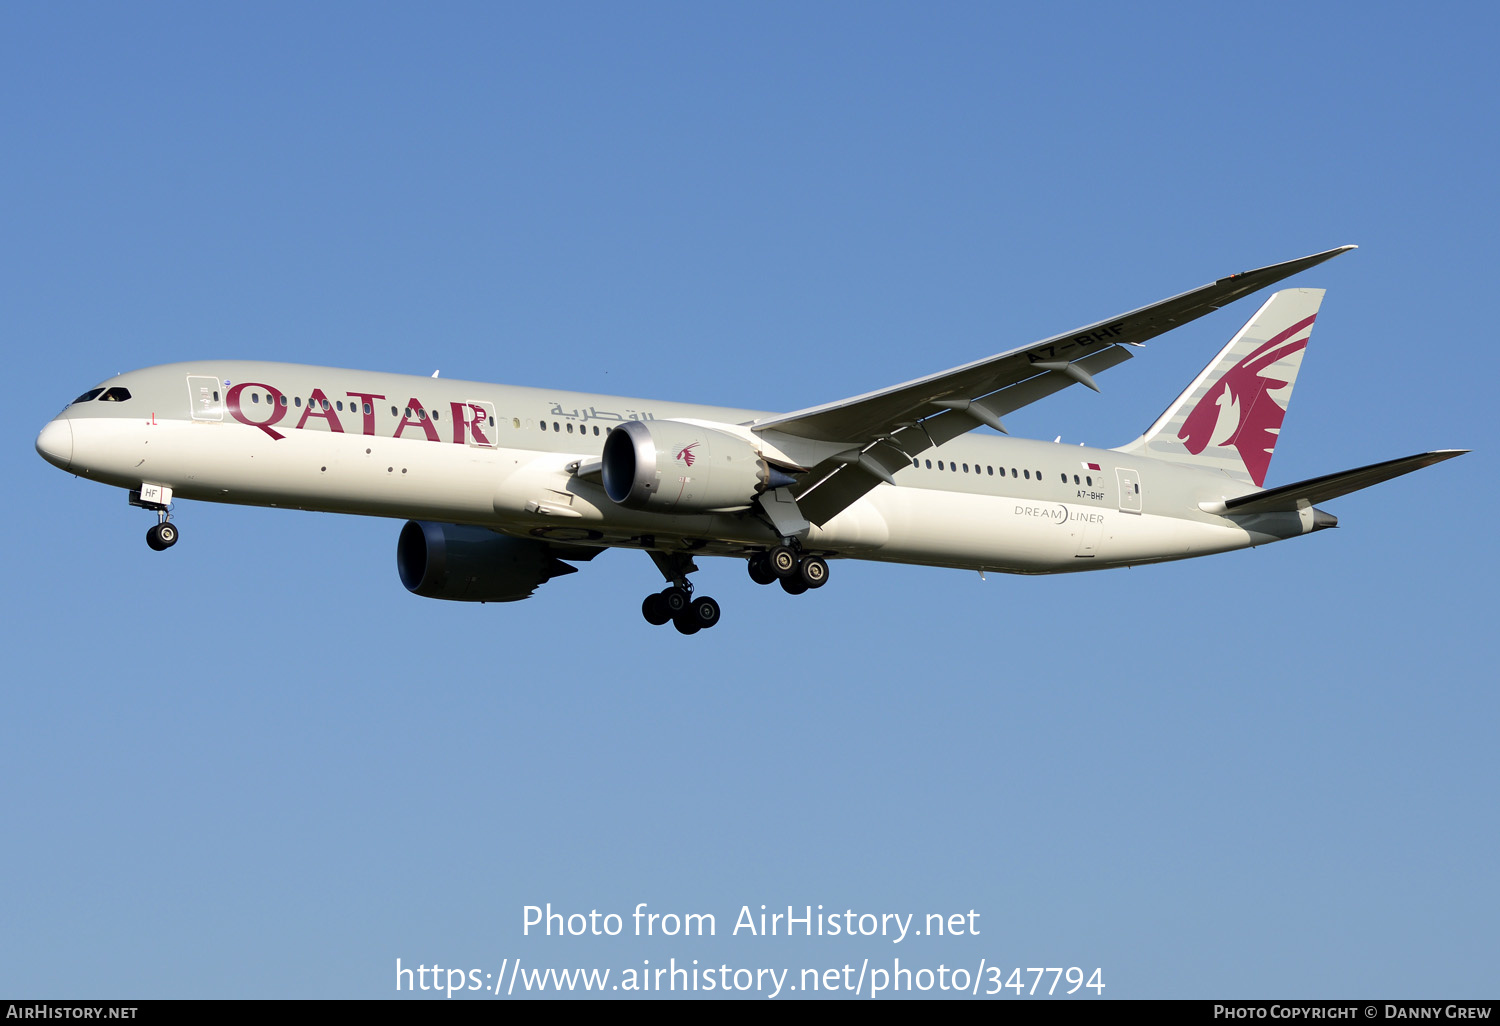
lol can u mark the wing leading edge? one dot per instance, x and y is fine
(886, 428)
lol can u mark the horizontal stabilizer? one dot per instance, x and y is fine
(1292, 497)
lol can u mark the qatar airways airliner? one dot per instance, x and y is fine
(505, 487)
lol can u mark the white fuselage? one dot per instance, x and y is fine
(508, 458)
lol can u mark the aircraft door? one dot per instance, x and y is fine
(1088, 529)
(1130, 490)
(205, 399)
(481, 426)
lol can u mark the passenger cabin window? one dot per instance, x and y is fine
(90, 395)
(115, 395)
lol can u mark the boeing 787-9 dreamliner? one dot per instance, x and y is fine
(505, 487)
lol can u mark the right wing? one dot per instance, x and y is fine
(886, 428)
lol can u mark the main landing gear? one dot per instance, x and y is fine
(689, 613)
(677, 604)
(796, 573)
(685, 612)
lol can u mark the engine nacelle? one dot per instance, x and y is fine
(668, 466)
(472, 564)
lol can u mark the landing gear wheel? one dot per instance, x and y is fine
(813, 572)
(162, 536)
(674, 600)
(793, 585)
(783, 561)
(760, 569)
(703, 611)
(685, 624)
(654, 609)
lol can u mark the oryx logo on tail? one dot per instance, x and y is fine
(1230, 417)
(1242, 409)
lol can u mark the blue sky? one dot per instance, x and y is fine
(256, 766)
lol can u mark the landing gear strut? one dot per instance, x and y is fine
(676, 603)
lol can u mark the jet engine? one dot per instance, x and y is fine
(669, 466)
(472, 564)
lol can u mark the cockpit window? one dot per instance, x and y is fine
(115, 395)
(90, 395)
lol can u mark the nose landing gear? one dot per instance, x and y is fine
(162, 536)
(158, 499)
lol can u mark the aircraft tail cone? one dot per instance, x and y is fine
(1322, 520)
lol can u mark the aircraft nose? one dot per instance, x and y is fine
(55, 443)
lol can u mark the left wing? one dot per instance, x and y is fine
(886, 428)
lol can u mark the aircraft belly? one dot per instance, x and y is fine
(1150, 538)
(956, 528)
(858, 529)
(1026, 535)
